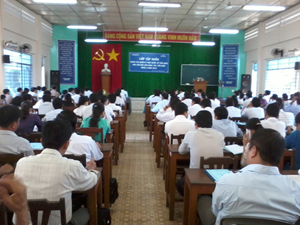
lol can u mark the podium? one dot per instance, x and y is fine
(200, 85)
(105, 80)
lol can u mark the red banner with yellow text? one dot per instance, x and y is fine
(162, 36)
(106, 63)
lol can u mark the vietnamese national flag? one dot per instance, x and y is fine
(112, 55)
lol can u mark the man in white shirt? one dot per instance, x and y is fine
(87, 92)
(167, 113)
(232, 111)
(187, 99)
(214, 101)
(267, 95)
(195, 108)
(57, 105)
(162, 103)
(225, 126)
(180, 124)
(54, 92)
(81, 144)
(46, 106)
(71, 91)
(248, 99)
(19, 92)
(204, 141)
(8, 96)
(258, 190)
(77, 95)
(253, 110)
(206, 105)
(287, 117)
(41, 93)
(33, 92)
(112, 105)
(119, 100)
(154, 98)
(9, 122)
(88, 110)
(272, 122)
(51, 176)
(181, 94)
(124, 92)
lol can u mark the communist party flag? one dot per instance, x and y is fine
(106, 59)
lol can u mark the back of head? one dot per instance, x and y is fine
(33, 89)
(112, 98)
(82, 100)
(180, 108)
(27, 97)
(173, 102)
(44, 88)
(3, 97)
(103, 99)
(5, 91)
(249, 94)
(64, 92)
(69, 116)
(285, 97)
(157, 92)
(8, 115)
(57, 103)
(274, 96)
(98, 109)
(279, 102)
(267, 92)
(196, 100)
(200, 91)
(187, 95)
(77, 90)
(94, 98)
(118, 92)
(221, 113)
(254, 124)
(270, 145)
(68, 98)
(212, 95)
(70, 89)
(256, 102)
(53, 87)
(229, 102)
(19, 89)
(165, 95)
(273, 110)
(86, 88)
(47, 92)
(46, 98)
(205, 103)
(56, 133)
(203, 119)
(17, 101)
(203, 95)
(38, 87)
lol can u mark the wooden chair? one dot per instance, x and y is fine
(239, 119)
(91, 131)
(178, 137)
(219, 162)
(71, 108)
(33, 137)
(41, 116)
(251, 221)
(233, 140)
(10, 159)
(128, 105)
(290, 157)
(80, 158)
(151, 127)
(38, 205)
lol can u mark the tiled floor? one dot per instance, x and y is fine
(141, 187)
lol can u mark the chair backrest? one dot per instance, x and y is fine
(251, 221)
(3, 216)
(179, 138)
(233, 140)
(290, 156)
(80, 158)
(10, 159)
(91, 131)
(239, 119)
(46, 207)
(225, 162)
(33, 137)
(71, 108)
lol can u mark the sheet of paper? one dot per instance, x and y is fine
(36, 146)
(234, 149)
(216, 174)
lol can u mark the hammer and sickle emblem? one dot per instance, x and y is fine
(99, 57)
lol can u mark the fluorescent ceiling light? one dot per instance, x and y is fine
(153, 29)
(223, 31)
(160, 4)
(264, 8)
(57, 1)
(90, 40)
(156, 42)
(82, 27)
(203, 43)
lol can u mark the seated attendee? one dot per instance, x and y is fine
(225, 126)
(206, 105)
(9, 122)
(83, 102)
(19, 92)
(54, 92)
(40, 101)
(181, 94)
(294, 106)
(263, 102)
(28, 121)
(88, 110)
(80, 144)
(195, 108)
(241, 99)
(167, 113)
(285, 100)
(112, 105)
(232, 111)
(248, 99)
(71, 91)
(153, 99)
(46, 106)
(273, 98)
(124, 92)
(63, 94)
(180, 124)
(198, 93)
(258, 190)
(33, 92)
(77, 95)
(51, 176)
(271, 121)
(293, 141)
(253, 110)
(42, 92)
(2, 100)
(27, 98)
(287, 117)
(68, 101)
(8, 96)
(204, 141)
(96, 120)
(87, 92)
(57, 105)
(164, 102)
(17, 101)
(119, 100)
(109, 113)
(187, 99)
(214, 101)
(267, 95)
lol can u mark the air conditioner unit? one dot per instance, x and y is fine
(11, 45)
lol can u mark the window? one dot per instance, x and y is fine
(18, 73)
(281, 76)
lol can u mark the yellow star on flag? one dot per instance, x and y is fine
(113, 55)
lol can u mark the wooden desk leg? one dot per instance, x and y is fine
(92, 206)
(99, 194)
(116, 144)
(172, 181)
(158, 147)
(107, 176)
(186, 201)
(192, 213)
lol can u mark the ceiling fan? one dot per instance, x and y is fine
(90, 2)
(230, 6)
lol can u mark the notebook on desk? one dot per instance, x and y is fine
(36, 146)
(241, 123)
(216, 174)
(234, 149)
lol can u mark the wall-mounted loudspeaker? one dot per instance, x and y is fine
(6, 59)
(246, 83)
(55, 78)
(297, 65)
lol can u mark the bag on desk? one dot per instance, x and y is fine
(104, 216)
(114, 194)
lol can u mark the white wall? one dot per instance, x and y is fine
(284, 35)
(19, 24)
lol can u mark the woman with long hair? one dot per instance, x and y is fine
(68, 101)
(28, 120)
(97, 120)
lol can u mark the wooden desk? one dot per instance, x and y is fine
(159, 126)
(174, 157)
(122, 137)
(147, 115)
(116, 126)
(107, 149)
